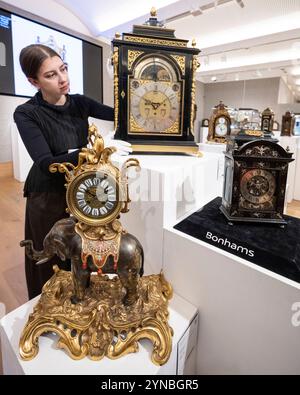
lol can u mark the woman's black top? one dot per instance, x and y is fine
(49, 131)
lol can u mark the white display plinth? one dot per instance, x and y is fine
(218, 149)
(292, 144)
(53, 361)
(167, 188)
(203, 134)
(247, 312)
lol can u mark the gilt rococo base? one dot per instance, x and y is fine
(101, 325)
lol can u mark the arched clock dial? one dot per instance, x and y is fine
(221, 129)
(155, 105)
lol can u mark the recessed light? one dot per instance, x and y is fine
(213, 78)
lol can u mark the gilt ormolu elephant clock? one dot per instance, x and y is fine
(95, 315)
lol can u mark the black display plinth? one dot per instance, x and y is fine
(266, 245)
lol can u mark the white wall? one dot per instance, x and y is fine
(56, 13)
(285, 95)
(258, 93)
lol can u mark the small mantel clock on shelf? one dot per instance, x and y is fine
(219, 124)
(267, 120)
(255, 178)
(288, 123)
(154, 89)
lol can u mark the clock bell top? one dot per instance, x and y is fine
(264, 148)
(153, 33)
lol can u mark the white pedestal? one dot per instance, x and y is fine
(203, 134)
(219, 150)
(167, 188)
(246, 311)
(183, 320)
(292, 144)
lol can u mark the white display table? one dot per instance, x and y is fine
(167, 188)
(246, 310)
(183, 320)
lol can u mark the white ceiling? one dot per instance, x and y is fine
(239, 39)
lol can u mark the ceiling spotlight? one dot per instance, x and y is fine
(214, 78)
(196, 11)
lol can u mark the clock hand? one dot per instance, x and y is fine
(90, 193)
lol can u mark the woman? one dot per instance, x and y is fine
(53, 126)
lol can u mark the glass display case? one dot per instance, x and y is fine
(244, 118)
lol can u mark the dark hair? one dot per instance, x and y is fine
(32, 57)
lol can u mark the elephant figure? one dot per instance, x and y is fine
(62, 240)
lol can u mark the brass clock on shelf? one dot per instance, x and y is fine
(255, 178)
(219, 124)
(154, 89)
(267, 120)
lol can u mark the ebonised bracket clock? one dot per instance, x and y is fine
(154, 89)
(255, 178)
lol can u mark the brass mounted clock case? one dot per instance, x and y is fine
(288, 123)
(255, 178)
(219, 127)
(154, 89)
(267, 120)
(92, 314)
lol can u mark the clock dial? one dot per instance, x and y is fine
(222, 120)
(93, 197)
(258, 186)
(155, 105)
(221, 129)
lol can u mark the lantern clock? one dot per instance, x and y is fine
(267, 120)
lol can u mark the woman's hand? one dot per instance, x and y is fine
(123, 147)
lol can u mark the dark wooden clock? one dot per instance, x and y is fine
(154, 89)
(288, 123)
(267, 120)
(219, 124)
(255, 179)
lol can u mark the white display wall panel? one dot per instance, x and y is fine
(167, 189)
(247, 312)
(52, 361)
